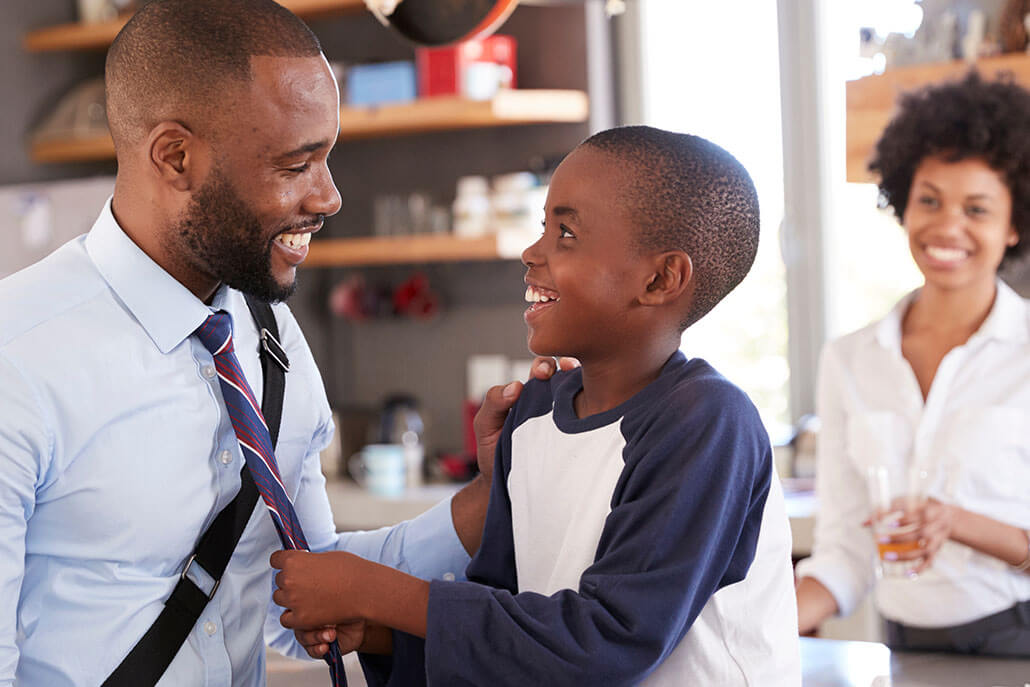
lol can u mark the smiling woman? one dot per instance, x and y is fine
(938, 388)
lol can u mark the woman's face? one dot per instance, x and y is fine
(959, 222)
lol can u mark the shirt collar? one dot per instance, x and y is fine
(167, 310)
(1007, 321)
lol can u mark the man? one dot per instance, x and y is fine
(116, 449)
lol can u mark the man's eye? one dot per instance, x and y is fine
(300, 169)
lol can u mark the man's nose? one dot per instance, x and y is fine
(325, 197)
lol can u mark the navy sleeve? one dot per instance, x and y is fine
(684, 523)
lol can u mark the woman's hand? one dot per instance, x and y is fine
(916, 532)
(936, 521)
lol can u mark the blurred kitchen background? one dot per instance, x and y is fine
(412, 296)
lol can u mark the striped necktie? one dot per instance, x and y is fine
(256, 444)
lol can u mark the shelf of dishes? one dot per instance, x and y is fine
(418, 249)
(871, 99)
(98, 35)
(439, 113)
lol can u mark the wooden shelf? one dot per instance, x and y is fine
(82, 36)
(399, 250)
(871, 100)
(447, 113)
(422, 116)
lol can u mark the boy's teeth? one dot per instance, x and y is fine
(948, 254)
(294, 240)
(533, 295)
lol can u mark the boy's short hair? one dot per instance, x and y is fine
(691, 195)
(970, 118)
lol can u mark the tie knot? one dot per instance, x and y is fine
(216, 333)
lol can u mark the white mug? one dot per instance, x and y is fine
(380, 468)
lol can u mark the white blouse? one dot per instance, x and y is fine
(972, 434)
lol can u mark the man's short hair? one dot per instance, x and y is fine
(688, 194)
(177, 58)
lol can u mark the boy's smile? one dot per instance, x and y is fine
(584, 273)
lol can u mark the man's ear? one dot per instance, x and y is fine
(173, 154)
(670, 277)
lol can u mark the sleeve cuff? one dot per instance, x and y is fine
(432, 547)
(842, 578)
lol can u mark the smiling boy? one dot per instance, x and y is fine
(636, 532)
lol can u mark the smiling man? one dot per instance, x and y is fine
(117, 446)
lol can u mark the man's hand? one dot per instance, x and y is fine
(498, 401)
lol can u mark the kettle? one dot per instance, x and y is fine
(399, 415)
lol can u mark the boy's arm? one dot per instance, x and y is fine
(684, 523)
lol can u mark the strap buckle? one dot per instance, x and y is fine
(189, 562)
(274, 349)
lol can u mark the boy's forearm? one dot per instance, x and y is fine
(395, 599)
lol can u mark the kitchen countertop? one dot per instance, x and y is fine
(824, 663)
(837, 663)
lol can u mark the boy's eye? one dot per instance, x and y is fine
(564, 232)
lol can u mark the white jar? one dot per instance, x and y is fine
(471, 207)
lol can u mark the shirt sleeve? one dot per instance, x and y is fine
(842, 550)
(684, 523)
(427, 546)
(24, 443)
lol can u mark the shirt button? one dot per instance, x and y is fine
(448, 577)
(225, 457)
(209, 372)
(210, 628)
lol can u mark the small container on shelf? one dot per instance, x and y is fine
(471, 209)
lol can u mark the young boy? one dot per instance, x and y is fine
(636, 532)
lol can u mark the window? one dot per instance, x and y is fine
(712, 69)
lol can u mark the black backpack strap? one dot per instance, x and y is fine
(151, 656)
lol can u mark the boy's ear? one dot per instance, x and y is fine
(671, 276)
(172, 151)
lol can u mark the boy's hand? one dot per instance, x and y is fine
(498, 401)
(316, 588)
(350, 636)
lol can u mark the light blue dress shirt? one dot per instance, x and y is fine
(116, 452)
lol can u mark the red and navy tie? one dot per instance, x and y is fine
(256, 444)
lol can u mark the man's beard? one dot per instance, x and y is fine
(223, 238)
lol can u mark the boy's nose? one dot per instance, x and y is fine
(531, 256)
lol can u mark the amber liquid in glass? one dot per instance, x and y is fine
(897, 547)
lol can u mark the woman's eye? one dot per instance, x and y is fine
(929, 201)
(977, 210)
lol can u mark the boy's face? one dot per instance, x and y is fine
(584, 273)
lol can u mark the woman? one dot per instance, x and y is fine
(940, 385)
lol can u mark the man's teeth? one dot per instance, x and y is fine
(535, 295)
(294, 240)
(945, 254)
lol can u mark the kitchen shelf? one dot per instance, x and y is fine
(413, 249)
(871, 100)
(441, 113)
(97, 36)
